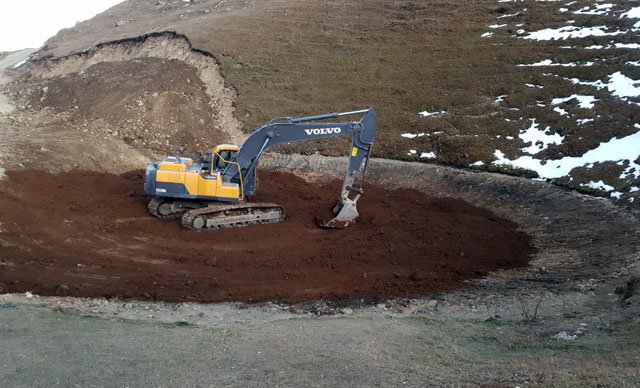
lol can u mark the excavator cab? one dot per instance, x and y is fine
(223, 154)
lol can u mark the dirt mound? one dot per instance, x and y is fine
(148, 102)
(153, 92)
(89, 234)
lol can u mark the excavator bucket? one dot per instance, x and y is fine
(345, 213)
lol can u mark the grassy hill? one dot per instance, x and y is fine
(468, 62)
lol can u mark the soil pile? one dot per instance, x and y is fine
(89, 234)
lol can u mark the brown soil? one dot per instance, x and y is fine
(150, 103)
(89, 234)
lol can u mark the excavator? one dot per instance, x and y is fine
(212, 193)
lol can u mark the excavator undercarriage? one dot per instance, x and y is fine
(214, 215)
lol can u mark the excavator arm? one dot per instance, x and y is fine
(289, 130)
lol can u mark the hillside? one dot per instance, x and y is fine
(490, 85)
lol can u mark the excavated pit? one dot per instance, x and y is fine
(88, 234)
(83, 233)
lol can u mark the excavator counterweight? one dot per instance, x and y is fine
(212, 193)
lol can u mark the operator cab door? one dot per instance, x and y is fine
(211, 173)
(221, 160)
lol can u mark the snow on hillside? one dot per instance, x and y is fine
(624, 151)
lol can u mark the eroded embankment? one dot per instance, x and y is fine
(89, 234)
(114, 105)
(164, 46)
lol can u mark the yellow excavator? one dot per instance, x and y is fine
(212, 192)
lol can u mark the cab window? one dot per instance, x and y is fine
(228, 155)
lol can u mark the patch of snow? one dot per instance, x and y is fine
(412, 152)
(599, 185)
(633, 13)
(598, 9)
(534, 86)
(431, 114)
(539, 139)
(427, 155)
(509, 137)
(584, 121)
(626, 148)
(634, 189)
(509, 15)
(585, 102)
(632, 46)
(494, 26)
(616, 195)
(413, 135)
(627, 45)
(568, 32)
(479, 163)
(633, 63)
(633, 169)
(561, 111)
(500, 99)
(619, 85)
(549, 62)
(487, 35)
(622, 86)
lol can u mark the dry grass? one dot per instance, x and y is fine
(287, 57)
(509, 353)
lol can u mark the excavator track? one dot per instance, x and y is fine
(232, 216)
(169, 209)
